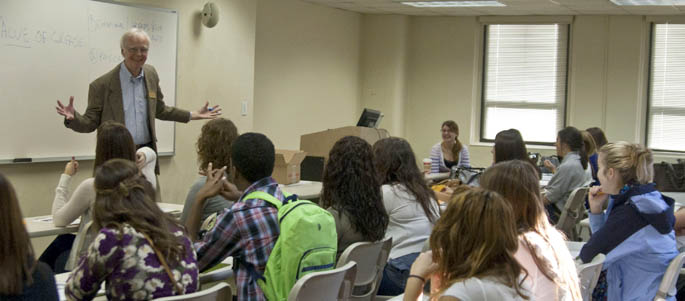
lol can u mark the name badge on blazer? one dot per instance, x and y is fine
(152, 94)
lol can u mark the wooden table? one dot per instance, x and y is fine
(39, 226)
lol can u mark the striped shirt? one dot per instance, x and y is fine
(247, 230)
(438, 159)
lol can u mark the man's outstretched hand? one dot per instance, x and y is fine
(66, 111)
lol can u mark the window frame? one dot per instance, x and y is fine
(483, 82)
(648, 106)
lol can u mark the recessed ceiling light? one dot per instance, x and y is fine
(474, 3)
(648, 2)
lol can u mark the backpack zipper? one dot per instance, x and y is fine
(313, 267)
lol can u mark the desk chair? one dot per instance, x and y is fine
(572, 213)
(371, 258)
(218, 292)
(589, 274)
(335, 284)
(667, 287)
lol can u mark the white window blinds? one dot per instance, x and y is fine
(666, 117)
(524, 83)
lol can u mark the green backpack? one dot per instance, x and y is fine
(307, 243)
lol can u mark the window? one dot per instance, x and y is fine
(524, 81)
(666, 111)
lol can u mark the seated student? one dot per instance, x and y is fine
(450, 151)
(636, 230)
(21, 276)
(113, 141)
(411, 206)
(140, 251)
(600, 140)
(352, 193)
(248, 230)
(509, 145)
(570, 174)
(213, 145)
(473, 244)
(590, 150)
(542, 251)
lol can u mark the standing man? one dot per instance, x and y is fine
(130, 94)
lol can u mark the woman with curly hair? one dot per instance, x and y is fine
(473, 245)
(411, 206)
(141, 252)
(542, 250)
(352, 193)
(213, 145)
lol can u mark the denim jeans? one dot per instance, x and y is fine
(395, 275)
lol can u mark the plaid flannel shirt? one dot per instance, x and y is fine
(247, 230)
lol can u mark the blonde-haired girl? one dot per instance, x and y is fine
(473, 246)
(636, 230)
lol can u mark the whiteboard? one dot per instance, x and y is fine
(51, 50)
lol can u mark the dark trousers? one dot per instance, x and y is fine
(395, 275)
(57, 253)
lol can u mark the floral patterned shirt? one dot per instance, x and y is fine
(130, 267)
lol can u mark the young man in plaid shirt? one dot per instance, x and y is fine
(248, 230)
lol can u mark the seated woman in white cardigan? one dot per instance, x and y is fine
(450, 151)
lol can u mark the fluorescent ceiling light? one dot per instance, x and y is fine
(474, 3)
(648, 2)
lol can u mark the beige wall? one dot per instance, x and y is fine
(306, 70)
(607, 78)
(214, 64)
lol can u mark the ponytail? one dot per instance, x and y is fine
(632, 161)
(644, 165)
(572, 137)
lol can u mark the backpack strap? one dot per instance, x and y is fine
(254, 274)
(272, 199)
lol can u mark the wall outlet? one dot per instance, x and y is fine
(243, 108)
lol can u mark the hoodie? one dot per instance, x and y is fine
(636, 235)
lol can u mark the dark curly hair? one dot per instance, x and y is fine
(396, 164)
(253, 156)
(351, 186)
(215, 141)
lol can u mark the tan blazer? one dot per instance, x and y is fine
(105, 103)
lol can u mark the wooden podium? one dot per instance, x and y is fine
(319, 144)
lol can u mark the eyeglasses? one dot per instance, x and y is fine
(142, 50)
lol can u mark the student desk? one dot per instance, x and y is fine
(39, 226)
(436, 177)
(305, 190)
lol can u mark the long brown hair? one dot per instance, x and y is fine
(124, 196)
(351, 186)
(396, 164)
(517, 181)
(454, 128)
(598, 136)
(17, 260)
(215, 142)
(113, 141)
(476, 237)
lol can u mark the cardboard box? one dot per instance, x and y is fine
(287, 166)
(319, 144)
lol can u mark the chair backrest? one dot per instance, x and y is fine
(589, 274)
(371, 258)
(572, 213)
(220, 291)
(667, 286)
(333, 284)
